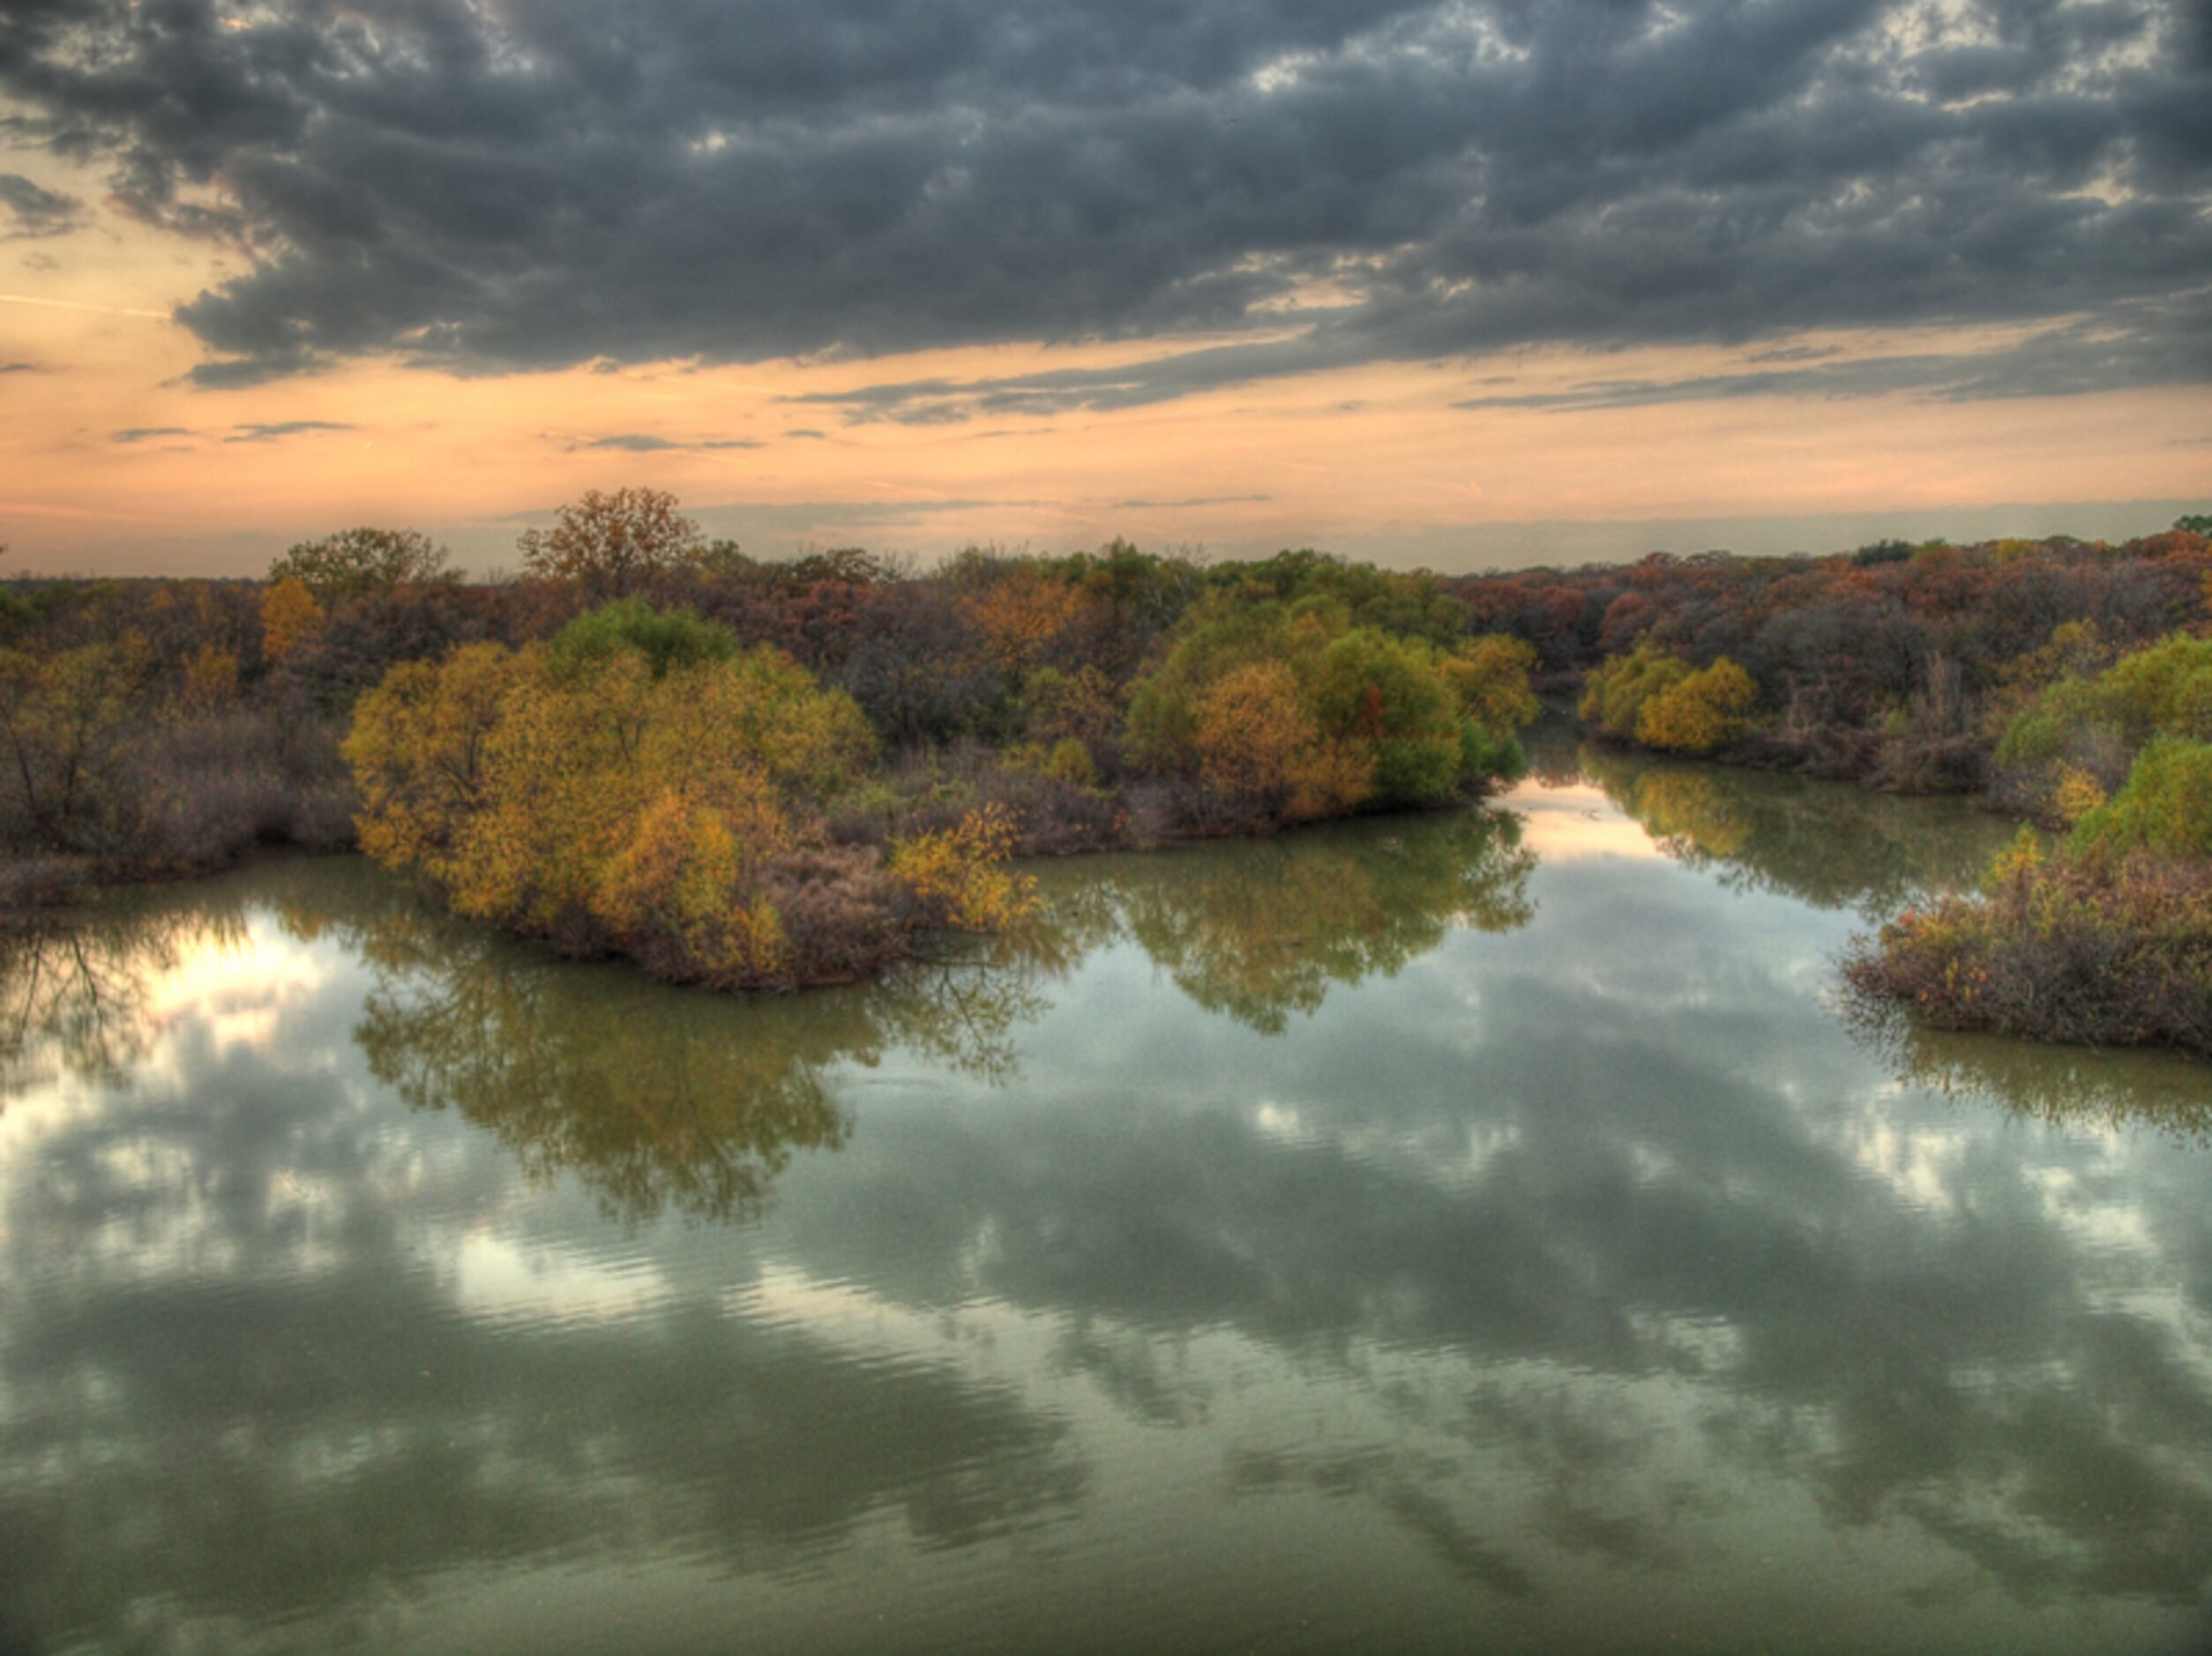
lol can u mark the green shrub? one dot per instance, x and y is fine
(667, 638)
(2165, 806)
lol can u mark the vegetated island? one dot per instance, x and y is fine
(742, 774)
(756, 774)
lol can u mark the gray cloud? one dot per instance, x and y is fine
(644, 443)
(142, 434)
(1180, 505)
(483, 189)
(18, 367)
(36, 210)
(257, 433)
(2138, 346)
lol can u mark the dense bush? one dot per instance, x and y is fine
(2110, 940)
(641, 785)
(1014, 703)
(2103, 951)
(1293, 712)
(98, 763)
(2166, 806)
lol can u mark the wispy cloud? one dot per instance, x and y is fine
(143, 434)
(2143, 344)
(647, 443)
(35, 210)
(257, 433)
(80, 304)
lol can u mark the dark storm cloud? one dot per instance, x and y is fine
(37, 212)
(485, 188)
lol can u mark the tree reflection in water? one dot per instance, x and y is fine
(2078, 1089)
(664, 1102)
(74, 995)
(657, 1100)
(1829, 845)
(1264, 931)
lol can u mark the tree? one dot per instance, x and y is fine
(1265, 699)
(1021, 615)
(1251, 731)
(289, 616)
(66, 722)
(612, 544)
(1617, 690)
(641, 785)
(2166, 805)
(1699, 713)
(355, 563)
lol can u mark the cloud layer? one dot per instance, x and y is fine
(488, 187)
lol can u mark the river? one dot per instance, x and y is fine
(1477, 1230)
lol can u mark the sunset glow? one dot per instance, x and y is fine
(220, 337)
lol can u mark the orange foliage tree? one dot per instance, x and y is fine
(1019, 616)
(289, 616)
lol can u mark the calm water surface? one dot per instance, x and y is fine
(1477, 1231)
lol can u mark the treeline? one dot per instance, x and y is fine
(1896, 665)
(742, 773)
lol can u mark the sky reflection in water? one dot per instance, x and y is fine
(1416, 1232)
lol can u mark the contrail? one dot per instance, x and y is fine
(74, 304)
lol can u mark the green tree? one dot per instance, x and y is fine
(1291, 705)
(66, 723)
(355, 562)
(2165, 806)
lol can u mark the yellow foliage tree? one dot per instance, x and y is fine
(580, 797)
(289, 616)
(66, 719)
(2076, 794)
(211, 680)
(962, 868)
(1699, 712)
(1251, 732)
(1490, 675)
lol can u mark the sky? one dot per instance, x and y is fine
(1475, 284)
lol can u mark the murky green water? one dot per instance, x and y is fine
(1454, 1233)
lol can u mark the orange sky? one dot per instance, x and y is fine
(1371, 460)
